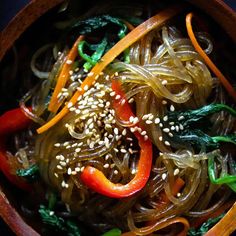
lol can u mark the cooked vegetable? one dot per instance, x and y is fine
(31, 174)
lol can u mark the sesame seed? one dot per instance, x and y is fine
(132, 129)
(143, 133)
(59, 167)
(145, 137)
(157, 120)
(135, 120)
(166, 130)
(57, 145)
(178, 194)
(122, 102)
(106, 166)
(123, 150)
(181, 118)
(165, 118)
(170, 134)
(177, 128)
(116, 74)
(90, 74)
(116, 131)
(148, 122)
(69, 171)
(171, 123)
(65, 144)
(77, 150)
(167, 143)
(164, 102)
(107, 157)
(115, 172)
(160, 138)
(69, 62)
(161, 125)
(82, 168)
(116, 150)
(63, 163)
(112, 165)
(117, 97)
(163, 176)
(164, 82)
(131, 100)
(113, 93)
(172, 108)
(172, 127)
(86, 87)
(133, 171)
(131, 119)
(124, 132)
(176, 172)
(73, 172)
(56, 175)
(145, 117)
(181, 127)
(77, 169)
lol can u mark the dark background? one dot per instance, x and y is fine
(9, 8)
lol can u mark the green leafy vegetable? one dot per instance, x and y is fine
(205, 226)
(31, 174)
(194, 125)
(50, 218)
(113, 232)
(98, 22)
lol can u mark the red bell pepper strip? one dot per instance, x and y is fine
(10, 122)
(13, 121)
(96, 180)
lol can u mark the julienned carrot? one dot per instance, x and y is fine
(226, 225)
(141, 30)
(207, 60)
(199, 221)
(63, 76)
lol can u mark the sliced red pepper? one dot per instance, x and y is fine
(13, 121)
(10, 122)
(96, 180)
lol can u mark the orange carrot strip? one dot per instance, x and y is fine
(63, 76)
(199, 221)
(226, 225)
(207, 60)
(115, 51)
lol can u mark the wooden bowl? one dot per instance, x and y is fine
(216, 9)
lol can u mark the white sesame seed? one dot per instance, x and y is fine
(163, 176)
(131, 119)
(124, 132)
(123, 150)
(170, 134)
(131, 100)
(113, 93)
(143, 133)
(79, 89)
(57, 145)
(177, 128)
(166, 130)
(132, 129)
(59, 167)
(171, 123)
(133, 171)
(77, 169)
(160, 138)
(69, 171)
(62, 163)
(167, 143)
(164, 102)
(178, 194)
(90, 74)
(65, 144)
(82, 168)
(164, 82)
(56, 175)
(107, 157)
(180, 118)
(117, 97)
(116, 131)
(181, 127)
(148, 122)
(77, 150)
(115, 172)
(161, 125)
(172, 108)
(69, 62)
(106, 166)
(116, 74)
(157, 120)
(145, 137)
(176, 172)
(116, 150)
(86, 87)
(73, 172)
(165, 118)
(145, 117)
(135, 120)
